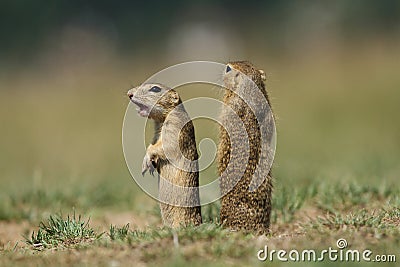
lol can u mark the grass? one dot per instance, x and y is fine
(182, 235)
(117, 233)
(287, 202)
(60, 232)
(335, 174)
(372, 213)
(377, 221)
(32, 204)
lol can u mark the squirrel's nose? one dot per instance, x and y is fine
(130, 94)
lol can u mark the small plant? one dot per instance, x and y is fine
(386, 218)
(210, 212)
(118, 233)
(205, 231)
(62, 232)
(287, 202)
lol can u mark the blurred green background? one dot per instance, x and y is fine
(65, 66)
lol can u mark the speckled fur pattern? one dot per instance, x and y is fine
(242, 209)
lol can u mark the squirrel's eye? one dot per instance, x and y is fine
(228, 69)
(155, 89)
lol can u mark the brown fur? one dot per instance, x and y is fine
(174, 140)
(242, 209)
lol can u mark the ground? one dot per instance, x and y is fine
(366, 217)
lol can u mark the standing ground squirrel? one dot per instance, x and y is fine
(242, 208)
(172, 153)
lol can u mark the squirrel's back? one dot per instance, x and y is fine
(244, 208)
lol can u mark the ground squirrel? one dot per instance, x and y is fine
(172, 153)
(242, 208)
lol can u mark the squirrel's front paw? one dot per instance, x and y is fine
(148, 164)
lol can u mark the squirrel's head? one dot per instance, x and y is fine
(154, 100)
(238, 72)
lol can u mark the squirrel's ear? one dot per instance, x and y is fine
(263, 75)
(174, 97)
